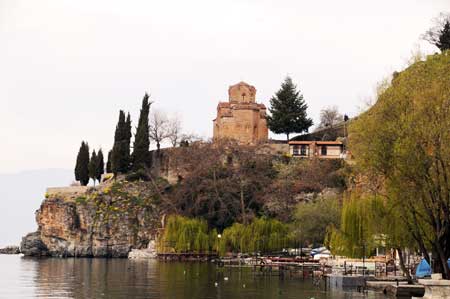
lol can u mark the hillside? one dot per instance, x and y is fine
(222, 184)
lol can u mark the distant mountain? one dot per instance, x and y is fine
(21, 195)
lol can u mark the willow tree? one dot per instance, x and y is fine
(261, 235)
(183, 234)
(356, 236)
(403, 140)
(312, 219)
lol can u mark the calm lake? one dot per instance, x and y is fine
(121, 278)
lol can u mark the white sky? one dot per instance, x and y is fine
(68, 66)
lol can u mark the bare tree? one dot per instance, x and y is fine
(439, 34)
(174, 130)
(158, 127)
(329, 117)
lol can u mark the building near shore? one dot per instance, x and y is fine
(317, 149)
(241, 118)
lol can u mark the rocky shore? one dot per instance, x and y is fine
(10, 250)
(105, 222)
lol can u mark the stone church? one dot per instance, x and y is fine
(241, 118)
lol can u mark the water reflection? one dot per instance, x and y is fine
(121, 278)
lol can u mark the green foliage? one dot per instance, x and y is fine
(100, 167)
(108, 164)
(125, 201)
(313, 219)
(183, 234)
(261, 235)
(141, 156)
(92, 167)
(367, 222)
(82, 164)
(81, 200)
(288, 111)
(120, 157)
(439, 34)
(300, 176)
(444, 38)
(355, 238)
(403, 142)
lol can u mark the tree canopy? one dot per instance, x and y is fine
(313, 219)
(82, 164)
(288, 111)
(120, 157)
(261, 235)
(439, 34)
(329, 117)
(141, 155)
(100, 167)
(92, 167)
(402, 143)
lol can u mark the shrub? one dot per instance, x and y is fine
(262, 235)
(183, 234)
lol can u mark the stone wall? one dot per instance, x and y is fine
(66, 191)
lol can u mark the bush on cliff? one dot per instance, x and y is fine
(296, 179)
(222, 182)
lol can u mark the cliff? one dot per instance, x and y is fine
(107, 221)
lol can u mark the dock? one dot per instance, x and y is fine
(187, 256)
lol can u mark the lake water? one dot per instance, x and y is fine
(121, 278)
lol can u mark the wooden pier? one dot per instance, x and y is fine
(187, 256)
(278, 266)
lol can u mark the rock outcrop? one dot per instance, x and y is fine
(105, 222)
(32, 245)
(10, 250)
(147, 253)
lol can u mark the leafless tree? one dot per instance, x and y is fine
(329, 117)
(158, 127)
(222, 181)
(174, 130)
(439, 34)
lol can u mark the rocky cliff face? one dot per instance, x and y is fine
(104, 222)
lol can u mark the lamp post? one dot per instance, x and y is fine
(364, 258)
(219, 236)
(345, 131)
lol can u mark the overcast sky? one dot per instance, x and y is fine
(68, 66)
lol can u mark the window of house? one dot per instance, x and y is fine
(295, 150)
(303, 150)
(323, 150)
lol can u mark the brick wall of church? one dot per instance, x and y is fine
(241, 118)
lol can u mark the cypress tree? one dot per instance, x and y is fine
(141, 155)
(108, 164)
(120, 157)
(127, 140)
(288, 111)
(92, 167)
(82, 164)
(100, 165)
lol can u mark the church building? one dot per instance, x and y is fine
(241, 118)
